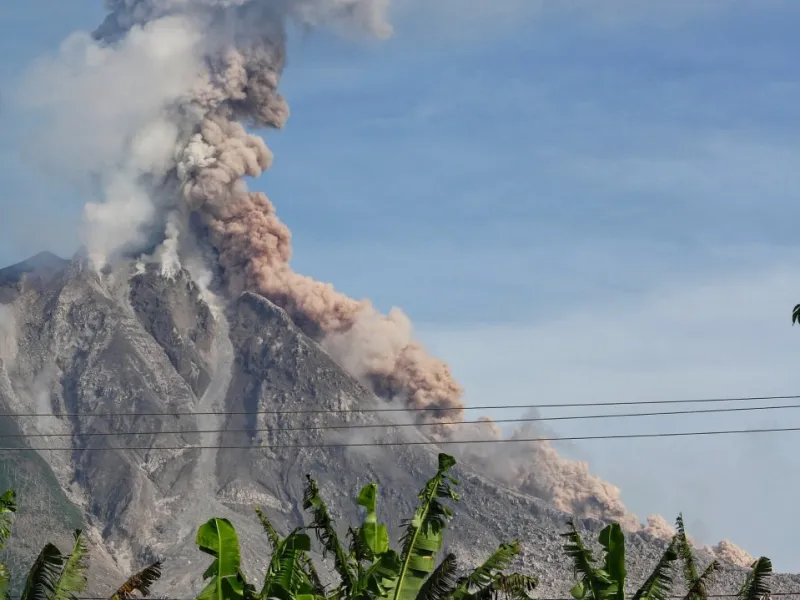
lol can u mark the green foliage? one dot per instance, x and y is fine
(613, 542)
(514, 586)
(266, 525)
(422, 537)
(696, 583)
(757, 584)
(139, 582)
(483, 577)
(43, 576)
(593, 583)
(72, 579)
(796, 314)
(698, 590)
(442, 582)
(8, 507)
(287, 577)
(325, 529)
(690, 572)
(368, 569)
(608, 582)
(489, 579)
(55, 576)
(373, 536)
(218, 538)
(659, 584)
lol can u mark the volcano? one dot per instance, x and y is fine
(224, 405)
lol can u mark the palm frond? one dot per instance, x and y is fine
(8, 506)
(358, 549)
(72, 579)
(442, 582)
(757, 584)
(380, 579)
(582, 563)
(313, 576)
(266, 525)
(432, 516)
(43, 575)
(698, 589)
(422, 536)
(659, 584)
(325, 530)
(690, 572)
(796, 314)
(486, 574)
(286, 576)
(140, 582)
(593, 583)
(516, 586)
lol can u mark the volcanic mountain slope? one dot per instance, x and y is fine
(135, 351)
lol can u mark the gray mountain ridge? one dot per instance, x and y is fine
(161, 349)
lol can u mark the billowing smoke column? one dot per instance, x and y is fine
(243, 50)
(153, 110)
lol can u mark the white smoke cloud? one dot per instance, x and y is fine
(104, 124)
(167, 252)
(158, 111)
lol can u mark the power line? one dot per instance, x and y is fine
(398, 409)
(389, 425)
(626, 436)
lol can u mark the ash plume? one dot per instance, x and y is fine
(658, 527)
(153, 117)
(208, 70)
(537, 468)
(733, 554)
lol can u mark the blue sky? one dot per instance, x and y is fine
(573, 200)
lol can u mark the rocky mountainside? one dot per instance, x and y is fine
(135, 351)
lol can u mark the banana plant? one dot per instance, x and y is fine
(57, 576)
(140, 582)
(367, 567)
(697, 583)
(608, 582)
(375, 571)
(290, 574)
(757, 584)
(218, 538)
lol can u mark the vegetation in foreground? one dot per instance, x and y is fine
(57, 576)
(368, 568)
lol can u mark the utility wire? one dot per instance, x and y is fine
(389, 425)
(626, 436)
(398, 409)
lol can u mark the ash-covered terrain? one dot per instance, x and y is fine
(137, 350)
